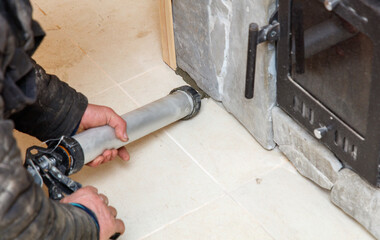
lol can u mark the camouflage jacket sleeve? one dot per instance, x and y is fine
(57, 111)
(25, 211)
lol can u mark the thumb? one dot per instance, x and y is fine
(120, 126)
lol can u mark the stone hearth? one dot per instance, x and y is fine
(211, 39)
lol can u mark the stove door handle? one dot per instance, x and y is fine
(268, 33)
(251, 60)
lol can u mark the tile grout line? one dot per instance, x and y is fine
(229, 194)
(101, 92)
(196, 162)
(78, 46)
(226, 192)
(138, 75)
(118, 84)
(105, 72)
(182, 216)
(91, 59)
(251, 180)
(253, 216)
(133, 100)
(99, 67)
(261, 175)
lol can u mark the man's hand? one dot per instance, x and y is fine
(96, 116)
(98, 203)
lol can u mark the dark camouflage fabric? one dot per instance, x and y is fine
(39, 104)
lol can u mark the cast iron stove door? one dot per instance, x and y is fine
(329, 76)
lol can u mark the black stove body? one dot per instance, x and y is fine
(328, 66)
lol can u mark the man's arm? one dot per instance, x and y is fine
(25, 212)
(57, 111)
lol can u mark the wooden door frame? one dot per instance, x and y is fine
(167, 33)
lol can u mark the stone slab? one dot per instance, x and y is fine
(358, 199)
(211, 38)
(197, 52)
(312, 159)
(254, 114)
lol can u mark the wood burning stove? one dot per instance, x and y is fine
(328, 66)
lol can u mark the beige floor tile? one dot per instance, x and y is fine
(173, 184)
(59, 56)
(291, 207)
(213, 138)
(223, 147)
(219, 220)
(153, 85)
(123, 40)
(42, 18)
(159, 184)
(114, 98)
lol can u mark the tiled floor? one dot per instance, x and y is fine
(206, 178)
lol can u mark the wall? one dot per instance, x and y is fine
(211, 38)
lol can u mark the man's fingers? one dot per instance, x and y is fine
(96, 116)
(107, 154)
(91, 188)
(96, 162)
(123, 153)
(120, 228)
(114, 153)
(118, 124)
(104, 198)
(113, 211)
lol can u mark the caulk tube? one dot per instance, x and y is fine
(181, 103)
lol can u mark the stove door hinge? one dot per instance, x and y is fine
(268, 33)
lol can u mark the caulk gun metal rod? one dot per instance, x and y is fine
(140, 122)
